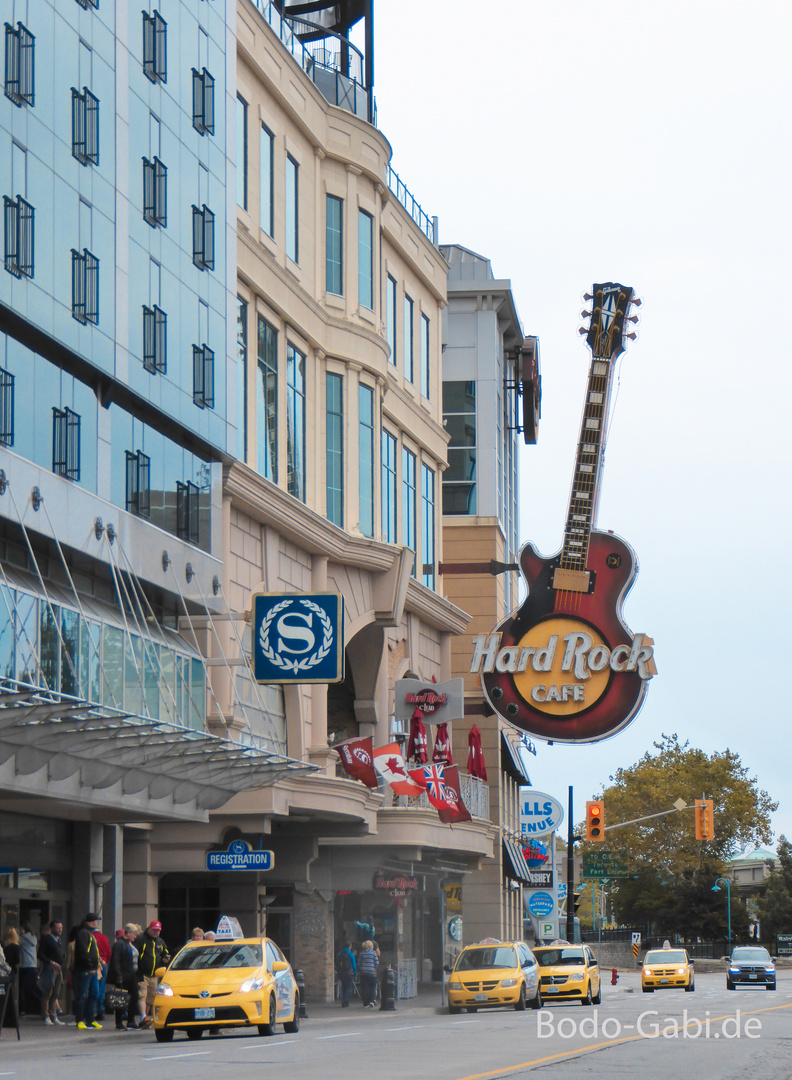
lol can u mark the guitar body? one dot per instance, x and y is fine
(545, 612)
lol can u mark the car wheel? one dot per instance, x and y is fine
(587, 999)
(536, 1001)
(164, 1035)
(770, 986)
(293, 1026)
(194, 1033)
(597, 999)
(729, 984)
(691, 986)
(521, 1002)
(454, 1010)
(269, 1028)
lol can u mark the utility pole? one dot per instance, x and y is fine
(570, 905)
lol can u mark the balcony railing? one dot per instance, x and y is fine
(427, 225)
(332, 63)
(474, 792)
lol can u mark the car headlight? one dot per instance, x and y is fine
(251, 984)
(681, 971)
(509, 982)
(164, 990)
(770, 971)
(576, 977)
(647, 971)
(734, 970)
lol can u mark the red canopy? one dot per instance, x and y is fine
(476, 766)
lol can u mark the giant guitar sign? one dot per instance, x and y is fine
(564, 666)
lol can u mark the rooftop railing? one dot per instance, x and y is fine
(427, 225)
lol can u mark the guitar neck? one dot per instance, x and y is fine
(582, 512)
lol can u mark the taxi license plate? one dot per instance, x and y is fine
(479, 997)
(752, 976)
(551, 990)
(663, 980)
(204, 1014)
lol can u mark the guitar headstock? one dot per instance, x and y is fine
(610, 310)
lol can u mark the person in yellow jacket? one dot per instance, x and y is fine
(152, 954)
(87, 964)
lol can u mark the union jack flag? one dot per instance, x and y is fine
(435, 786)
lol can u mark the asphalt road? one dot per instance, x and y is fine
(711, 1032)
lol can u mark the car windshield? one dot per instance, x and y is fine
(554, 957)
(741, 955)
(666, 956)
(219, 954)
(501, 957)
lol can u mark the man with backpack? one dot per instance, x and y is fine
(347, 972)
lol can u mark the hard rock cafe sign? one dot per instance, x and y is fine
(564, 666)
(398, 887)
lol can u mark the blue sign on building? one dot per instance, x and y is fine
(541, 904)
(239, 856)
(298, 637)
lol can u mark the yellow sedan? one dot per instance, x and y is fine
(494, 974)
(665, 969)
(244, 982)
(569, 973)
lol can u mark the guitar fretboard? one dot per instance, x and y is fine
(585, 484)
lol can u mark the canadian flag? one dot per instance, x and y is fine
(356, 757)
(390, 764)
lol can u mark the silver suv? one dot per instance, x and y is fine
(751, 965)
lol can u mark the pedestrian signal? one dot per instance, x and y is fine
(705, 819)
(595, 820)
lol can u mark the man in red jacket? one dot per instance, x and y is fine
(99, 987)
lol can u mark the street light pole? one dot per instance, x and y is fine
(716, 888)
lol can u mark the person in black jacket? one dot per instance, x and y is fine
(51, 979)
(123, 974)
(87, 963)
(153, 954)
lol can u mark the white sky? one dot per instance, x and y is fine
(573, 142)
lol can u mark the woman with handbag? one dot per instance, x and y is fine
(122, 976)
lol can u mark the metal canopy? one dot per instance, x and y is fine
(128, 762)
(515, 859)
(511, 761)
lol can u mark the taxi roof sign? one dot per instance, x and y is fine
(228, 928)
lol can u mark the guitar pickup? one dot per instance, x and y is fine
(576, 581)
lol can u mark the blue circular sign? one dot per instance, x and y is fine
(541, 904)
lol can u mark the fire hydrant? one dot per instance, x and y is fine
(388, 990)
(614, 976)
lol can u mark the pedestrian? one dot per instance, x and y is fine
(367, 966)
(51, 978)
(197, 934)
(6, 972)
(209, 935)
(153, 954)
(122, 973)
(98, 989)
(87, 968)
(29, 1000)
(347, 972)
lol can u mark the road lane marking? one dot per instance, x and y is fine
(271, 1045)
(343, 1035)
(170, 1057)
(601, 1046)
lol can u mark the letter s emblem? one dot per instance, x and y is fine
(287, 629)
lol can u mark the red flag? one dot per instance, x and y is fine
(476, 765)
(356, 757)
(455, 809)
(442, 746)
(435, 787)
(418, 777)
(416, 746)
(390, 764)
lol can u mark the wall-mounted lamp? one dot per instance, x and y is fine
(101, 878)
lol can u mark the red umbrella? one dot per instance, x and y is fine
(417, 747)
(442, 746)
(476, 766)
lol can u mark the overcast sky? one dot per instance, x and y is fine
(573, 142)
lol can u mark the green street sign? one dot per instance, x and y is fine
(603, 864)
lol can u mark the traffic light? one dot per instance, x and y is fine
(595, 820)
(575, 902)
(705, 819)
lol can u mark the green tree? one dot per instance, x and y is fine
(672, 890)
(775, 907)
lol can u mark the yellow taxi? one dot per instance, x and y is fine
(666, 969)
(494, 974)
(569, 973)
(231, 982)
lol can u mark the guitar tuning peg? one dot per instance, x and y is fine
(588, 296)
(582, 330)
(585, 314)
(632, 318)
(632, 336)
(637, 301)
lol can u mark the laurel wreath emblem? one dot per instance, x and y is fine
(296, 666)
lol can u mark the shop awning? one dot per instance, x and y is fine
(514, 864)
(53, 746)
(511, 761)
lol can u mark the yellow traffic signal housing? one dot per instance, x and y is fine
(595, 820)
(705, 819)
